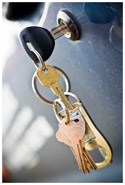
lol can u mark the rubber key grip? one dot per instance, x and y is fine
(41, 39)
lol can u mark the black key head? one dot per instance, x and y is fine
(41, 39)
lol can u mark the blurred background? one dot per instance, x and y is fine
(30, 151)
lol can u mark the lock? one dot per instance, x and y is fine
(37, 39)
(67, 26)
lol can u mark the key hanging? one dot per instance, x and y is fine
(43, 40)
(73, 116)
(92, 138)
(72, 134)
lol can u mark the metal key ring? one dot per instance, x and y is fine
(37, 92)
(57, 102)
(34, 51)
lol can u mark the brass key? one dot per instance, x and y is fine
(84, 163)
(50, 78)
(90, 164)
(72, 134)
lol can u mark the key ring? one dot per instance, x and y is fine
(37, 92)
(58, 102)
(32, 49)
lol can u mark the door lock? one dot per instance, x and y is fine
(40, 39)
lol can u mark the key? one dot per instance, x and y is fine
(72, 134)
(41, 39)
(86, 155)
(50, 78)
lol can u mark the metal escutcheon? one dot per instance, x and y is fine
(65, 17)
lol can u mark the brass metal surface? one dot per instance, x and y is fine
(93, 139)
(50, 78)
(38, 94)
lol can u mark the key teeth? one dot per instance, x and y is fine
(88, 158)
(85, 172)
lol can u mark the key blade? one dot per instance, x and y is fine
(56, 88)
(50, 78)
(87, 164)
(90, 160)
(83, 164)
(88, 157)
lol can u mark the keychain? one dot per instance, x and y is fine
(76, 128)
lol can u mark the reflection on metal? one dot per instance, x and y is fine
(60, 30)
(116, 35)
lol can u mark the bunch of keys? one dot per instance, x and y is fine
(76, 129)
